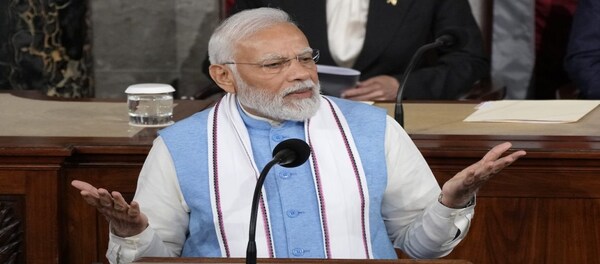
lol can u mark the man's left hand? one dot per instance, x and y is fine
(460, 189)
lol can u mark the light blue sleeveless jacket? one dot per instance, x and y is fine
(290, 192)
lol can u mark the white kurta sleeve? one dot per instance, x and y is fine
(416, 222)
(160, 198)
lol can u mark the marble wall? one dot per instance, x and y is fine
(137, 41)
(44, 45)
(96, 48)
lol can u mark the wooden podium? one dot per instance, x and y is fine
(300, 261)
(545, 208)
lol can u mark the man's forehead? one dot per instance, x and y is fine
(279, 40)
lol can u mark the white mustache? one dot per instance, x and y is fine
(308, 84)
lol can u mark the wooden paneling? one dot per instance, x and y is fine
(12, 221)
(114, 167)
(544, 208)
(38, 189)
(87, 230)
(533, 230)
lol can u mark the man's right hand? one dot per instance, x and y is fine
(125, 219)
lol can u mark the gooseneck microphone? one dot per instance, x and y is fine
(289, 153)
(450, 39)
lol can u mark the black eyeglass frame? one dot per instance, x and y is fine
(269, 66)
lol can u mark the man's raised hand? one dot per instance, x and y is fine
(125, 219)
(460, 189)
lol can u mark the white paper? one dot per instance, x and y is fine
(532, 111)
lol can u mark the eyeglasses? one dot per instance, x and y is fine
(277, 65)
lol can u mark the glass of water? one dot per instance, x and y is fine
(150, 104)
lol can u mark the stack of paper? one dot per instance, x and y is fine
(532, 111)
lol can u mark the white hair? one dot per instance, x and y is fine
(221, 46)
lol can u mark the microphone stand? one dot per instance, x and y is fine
(251, 248)
(289, 153)
(399, 110)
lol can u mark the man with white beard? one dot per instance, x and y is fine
(364, 190)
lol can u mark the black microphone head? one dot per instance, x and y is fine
(293, 152)
(452, 39)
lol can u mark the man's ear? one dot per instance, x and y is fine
(222, 76)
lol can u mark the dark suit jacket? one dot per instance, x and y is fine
(393, 35)
(583, 53)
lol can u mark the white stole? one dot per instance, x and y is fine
(337, 172)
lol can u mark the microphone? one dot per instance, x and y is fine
(449, 40)
(289, 153)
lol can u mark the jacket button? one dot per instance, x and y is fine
(297, 252)
(292, 213)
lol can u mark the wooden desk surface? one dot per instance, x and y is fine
(47, 138)
(447, 119)
(30, 115)
(437, 127)
(424, 121)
